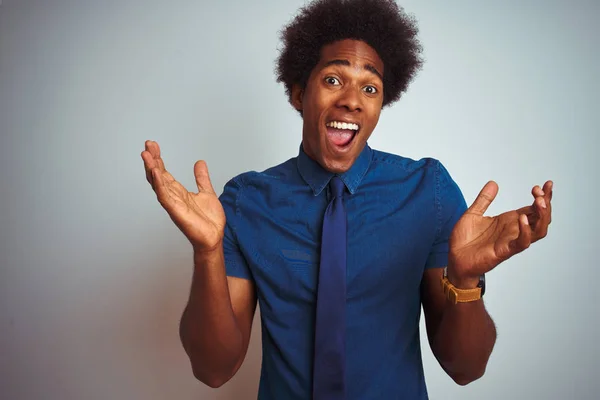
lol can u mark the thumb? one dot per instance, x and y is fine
(484, 199)
(202, 178)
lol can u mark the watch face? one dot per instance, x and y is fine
(482, 284)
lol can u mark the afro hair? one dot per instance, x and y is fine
(382, 24)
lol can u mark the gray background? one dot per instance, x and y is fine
(94, 275)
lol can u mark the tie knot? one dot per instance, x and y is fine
(336, 186)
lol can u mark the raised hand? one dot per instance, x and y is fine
(478, 244)
(199, 216)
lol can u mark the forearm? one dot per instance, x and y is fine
(209, 331)
(464, 340)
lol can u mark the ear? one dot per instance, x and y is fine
(296, 97)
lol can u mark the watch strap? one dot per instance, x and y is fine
(456, 295)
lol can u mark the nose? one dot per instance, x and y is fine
(349, 99)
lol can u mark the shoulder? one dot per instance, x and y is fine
(428, 174)
(394, 163)
(255, 183)
(277, 174)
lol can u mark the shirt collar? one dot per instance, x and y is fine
(318, 178)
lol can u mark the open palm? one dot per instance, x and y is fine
(199, 216)
(479, 243)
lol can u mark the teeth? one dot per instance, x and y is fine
(342, 125)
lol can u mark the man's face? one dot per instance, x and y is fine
(340, 104)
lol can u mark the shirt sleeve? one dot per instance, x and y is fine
(235, 263)
(449, 206)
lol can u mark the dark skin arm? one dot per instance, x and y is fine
(217, 321)
(462, 335)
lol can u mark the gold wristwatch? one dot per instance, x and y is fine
(456, 295)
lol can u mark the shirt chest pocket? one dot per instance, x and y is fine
(287, 267)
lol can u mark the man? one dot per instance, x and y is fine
(343, 244)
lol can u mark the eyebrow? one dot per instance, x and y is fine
(367, 67)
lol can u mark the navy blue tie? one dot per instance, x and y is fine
(330, 331)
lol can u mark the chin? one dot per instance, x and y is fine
(333, 158)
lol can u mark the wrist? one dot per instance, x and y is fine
(203, 255)
(461, 281)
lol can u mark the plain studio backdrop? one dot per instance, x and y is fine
(94, 275)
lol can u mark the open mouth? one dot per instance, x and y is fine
(341, 134)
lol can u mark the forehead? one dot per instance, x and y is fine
(357, 52)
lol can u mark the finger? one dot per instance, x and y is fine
(168, 177)
(534, 221)
(161, 164)
(541, 226)
(527, 210)
(540, 205)
(202, 177)
(149, 164)
(537, 191)
(548, 189)
(523, 241)
(537, 209)
(531, 213)
(485, 198)
(160, 188)
(159, 184)
(154, 149)
(152, 159)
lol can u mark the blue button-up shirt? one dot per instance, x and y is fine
(400, 215)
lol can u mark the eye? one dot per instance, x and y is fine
(370, 89)
(332, 81)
